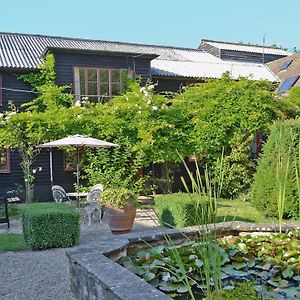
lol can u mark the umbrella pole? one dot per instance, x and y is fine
(77, 184)
(51, 167)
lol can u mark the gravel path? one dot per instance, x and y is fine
(43, 275)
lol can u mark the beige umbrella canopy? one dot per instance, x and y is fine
(78, 141)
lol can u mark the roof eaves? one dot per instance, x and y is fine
(89, 51)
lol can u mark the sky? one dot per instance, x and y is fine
(181, 23)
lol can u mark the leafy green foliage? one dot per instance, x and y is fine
(266, 266)
(118, 197)
(50, 225)
(294, 96)
(267, 181)
(50, 95)
(226, 115)
(178, 210)
(116, 167)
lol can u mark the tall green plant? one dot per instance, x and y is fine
(282, 170)
(202, 185)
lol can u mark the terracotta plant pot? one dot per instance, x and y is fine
(120, 220)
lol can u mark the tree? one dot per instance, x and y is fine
(23, 129)
(226, 115)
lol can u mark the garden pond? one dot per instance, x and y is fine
(252, 266)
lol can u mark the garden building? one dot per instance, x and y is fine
(95, 69)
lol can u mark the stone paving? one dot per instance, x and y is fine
(39, 275)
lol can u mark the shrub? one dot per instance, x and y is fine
(283, 142)
(179, 210)
(118, 197)
(50, 225)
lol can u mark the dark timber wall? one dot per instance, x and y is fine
(64, 63)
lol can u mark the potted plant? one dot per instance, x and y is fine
(120, 208)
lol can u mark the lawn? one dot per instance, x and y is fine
(12, 242)
(237, 210)
(231, 210)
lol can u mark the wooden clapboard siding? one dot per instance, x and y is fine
(10, 85)
(65, 62)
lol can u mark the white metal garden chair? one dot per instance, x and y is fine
(93, 202)
(59, 194)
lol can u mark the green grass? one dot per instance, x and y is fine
(233, 210)
(12, 242)
(237, 210)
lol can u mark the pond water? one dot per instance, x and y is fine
(249, 267)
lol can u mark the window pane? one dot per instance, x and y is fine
(3, 159)
(82, 88)
(116, 89)
(81, 75)
(104, 89)
(104, 75)
(92, 88)
(115, 76)
(92, 75)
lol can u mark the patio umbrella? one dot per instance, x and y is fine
(78, 141)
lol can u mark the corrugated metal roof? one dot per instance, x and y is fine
(211, 69)
(247, 48)
(26, 51)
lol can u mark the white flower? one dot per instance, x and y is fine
(142, 89)
(77, 103)
(151, 86)
(139, 112)
(12, 113)
(79, 116)
(34, 171)
(146, 93)
(149, 101)
(126, 99)
(40, 169)
(3, 123)
(154, 107)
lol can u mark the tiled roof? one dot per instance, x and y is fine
(292, 70)
(247, 48)
(26, 51)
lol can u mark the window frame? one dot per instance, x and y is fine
(7, 168)
(100, 97)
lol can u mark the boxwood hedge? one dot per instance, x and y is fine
(179, 210)
(50, 225)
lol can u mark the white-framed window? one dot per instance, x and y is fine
(99, 84)
(4, 160)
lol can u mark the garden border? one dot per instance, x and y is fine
(95, 275)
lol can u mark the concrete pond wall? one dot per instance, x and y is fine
(94, 274)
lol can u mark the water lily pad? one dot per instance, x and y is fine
(288, 273)
(273, 283)
(168, 286)
(283, 283)
(182, 289)
(251, 263)
(149, 276)
(297, 278)
(238, 265)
